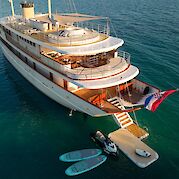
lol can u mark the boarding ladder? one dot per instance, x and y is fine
(123, 119)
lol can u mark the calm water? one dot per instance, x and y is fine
(34, 130)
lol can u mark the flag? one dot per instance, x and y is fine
(152, 102)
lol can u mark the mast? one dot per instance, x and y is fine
(49, 9)
(12, 7)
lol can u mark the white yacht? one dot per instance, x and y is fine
(75, 61)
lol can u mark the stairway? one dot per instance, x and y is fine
(122, 119)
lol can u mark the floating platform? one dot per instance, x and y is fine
(128, 143)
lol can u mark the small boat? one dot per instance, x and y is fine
(105, 143)
(85, 165)
(142, 153)
(78, 155)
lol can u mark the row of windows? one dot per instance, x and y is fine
(7, 31)
(27, 41)
(14, 50)
(27, 61)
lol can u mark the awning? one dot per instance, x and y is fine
(71, 18)
(68, 18)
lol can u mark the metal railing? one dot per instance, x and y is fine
(125, 55)
(115, 66)
(83, 39)
(103, 29)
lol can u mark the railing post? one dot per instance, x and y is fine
(108, 27)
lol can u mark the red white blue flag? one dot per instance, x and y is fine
(152, 102)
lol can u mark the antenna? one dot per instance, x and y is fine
(49, 9)
(12, 7)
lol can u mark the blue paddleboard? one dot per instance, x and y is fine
(80, 155)
(85, 165)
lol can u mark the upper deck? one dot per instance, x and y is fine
(92, 65)
(66, 38)
(86, 56)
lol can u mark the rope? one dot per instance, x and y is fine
(74, 6)
(129, 94)
(67, 5)
(39, 5)
(113, 28)
(70, 5)
(120, 96)
(110, 22)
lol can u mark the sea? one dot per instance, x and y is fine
(34, 130)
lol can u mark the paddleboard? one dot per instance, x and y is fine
(85, 165)
(78, 155)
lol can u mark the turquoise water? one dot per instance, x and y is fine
(34, 130)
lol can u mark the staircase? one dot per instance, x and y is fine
(122, 119)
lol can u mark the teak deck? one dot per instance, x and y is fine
(137, 131)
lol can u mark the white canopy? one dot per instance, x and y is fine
(68, 18)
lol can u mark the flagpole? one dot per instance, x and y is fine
(12, 7)
(49, 9)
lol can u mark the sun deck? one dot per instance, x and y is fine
(67, 39)
(50, 38)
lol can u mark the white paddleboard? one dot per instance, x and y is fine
(80, 155)
(85, 165)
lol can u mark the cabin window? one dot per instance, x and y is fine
(34, 66)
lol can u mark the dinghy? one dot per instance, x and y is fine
(142, 153)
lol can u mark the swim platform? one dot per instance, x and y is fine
(128, 143)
